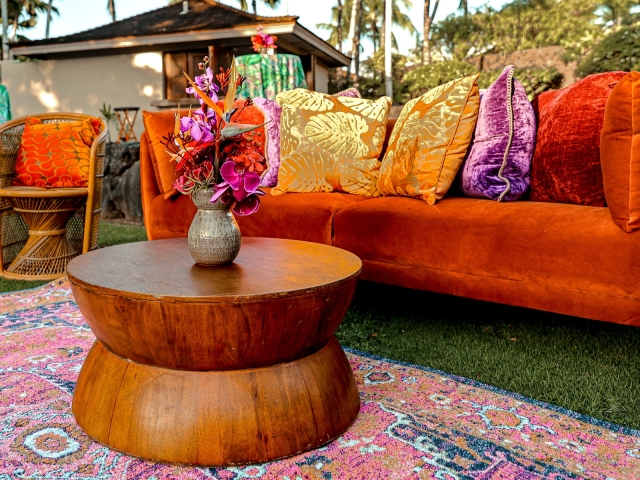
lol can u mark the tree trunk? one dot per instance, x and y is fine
(351, 40)
(426, 44)
(357, 38)
(48, 19)
(340, 25)
(112, 9)
(388, 79)
(428, 21)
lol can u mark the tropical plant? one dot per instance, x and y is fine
(535, 80)
(522, 24)
(371, 83)
(23, 15)
(372, 21)
(108, 115)
(616, 13)
(426, 77)
(618, 51)
(244, 5)
(464, 6)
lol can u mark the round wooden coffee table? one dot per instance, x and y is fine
(220, 365)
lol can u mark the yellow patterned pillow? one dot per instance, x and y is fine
(330, 143)
(430, 140)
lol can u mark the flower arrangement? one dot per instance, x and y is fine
(263, 41)
(211, 150)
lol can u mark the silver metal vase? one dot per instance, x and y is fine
(214, 236)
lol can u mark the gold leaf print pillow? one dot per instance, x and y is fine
(330, 143)
(430, 140)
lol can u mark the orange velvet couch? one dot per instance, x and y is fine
(561, 258)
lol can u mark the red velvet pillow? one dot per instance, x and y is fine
(566, 162)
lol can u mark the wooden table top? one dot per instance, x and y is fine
(164, 270)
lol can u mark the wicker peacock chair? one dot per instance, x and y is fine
(42, 229)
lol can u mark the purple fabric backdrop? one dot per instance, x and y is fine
(272, 113)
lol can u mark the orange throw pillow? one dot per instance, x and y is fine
(620, 152)
(55, 154)
(566, 162)
(159, 125)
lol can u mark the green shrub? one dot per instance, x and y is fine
(618, 51)
(424, 78)
(535, 80)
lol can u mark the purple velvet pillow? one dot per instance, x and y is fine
(499, 160)
(272, 112)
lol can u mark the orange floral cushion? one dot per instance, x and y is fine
(55, 154)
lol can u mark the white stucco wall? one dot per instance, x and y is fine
(83, 85)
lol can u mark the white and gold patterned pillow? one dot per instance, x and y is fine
(330, 143)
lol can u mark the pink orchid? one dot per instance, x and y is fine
(244, 186)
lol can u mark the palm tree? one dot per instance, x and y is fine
(23, 14)
(464, 6)
(111, 6)
(48, 29)
(244, 5)
(371, 25)
(429, 15)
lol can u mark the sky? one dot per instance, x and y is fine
(78, 15)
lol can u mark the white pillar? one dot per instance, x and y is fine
(388, 67)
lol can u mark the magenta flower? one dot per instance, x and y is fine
(244, 186)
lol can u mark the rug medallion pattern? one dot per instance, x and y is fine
(414, 422)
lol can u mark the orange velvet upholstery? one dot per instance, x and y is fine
(562, 258)
(298, 216)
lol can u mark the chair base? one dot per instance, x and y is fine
(46, 278)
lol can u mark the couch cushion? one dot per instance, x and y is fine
(298, 216)
(620, 152)
(566, 161)
(430, 140)
(564, 258)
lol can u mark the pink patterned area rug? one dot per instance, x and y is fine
(414, 422)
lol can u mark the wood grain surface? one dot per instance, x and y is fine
(215, 366)
(257, 325)
(216, 418)
(164, 270)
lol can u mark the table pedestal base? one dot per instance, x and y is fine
(218, 418)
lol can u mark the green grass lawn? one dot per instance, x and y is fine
(590, 367)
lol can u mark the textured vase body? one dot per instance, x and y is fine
(214, 236)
